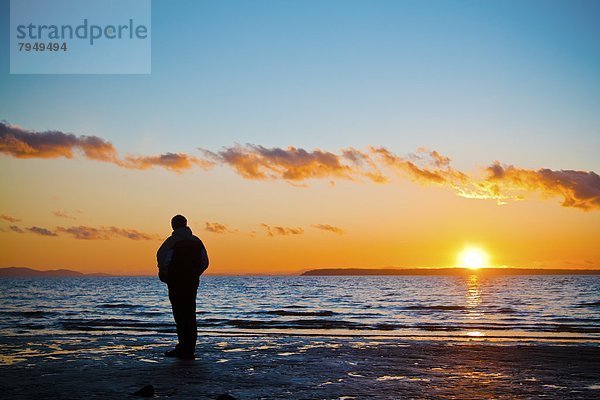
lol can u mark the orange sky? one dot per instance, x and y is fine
(398, 224)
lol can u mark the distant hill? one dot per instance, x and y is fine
(23, 272)
(446, 271)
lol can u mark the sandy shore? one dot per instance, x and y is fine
(113, 365)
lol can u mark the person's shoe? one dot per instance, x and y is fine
(172, 353)
(187, 356)
(178, 353)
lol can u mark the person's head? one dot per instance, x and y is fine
(178, 221)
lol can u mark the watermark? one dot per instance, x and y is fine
(80, 36)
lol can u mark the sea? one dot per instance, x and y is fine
(553, 307)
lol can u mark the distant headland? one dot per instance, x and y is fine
(23, 272)
(446, 271)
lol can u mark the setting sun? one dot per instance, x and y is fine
(473, 258)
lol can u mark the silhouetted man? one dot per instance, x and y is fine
(182, 258)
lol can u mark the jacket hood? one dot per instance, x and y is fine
(183, 233)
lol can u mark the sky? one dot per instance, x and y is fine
(315, 134)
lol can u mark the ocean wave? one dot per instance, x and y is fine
(506, 310)
(434, 308)
(588, 304)
(27, 314)
(575, 328)
(284, 313)
(151, 313)
(104, 324)
(30, 326)
(296, 324)
(117, 305)
(122, 324)
(246, 304)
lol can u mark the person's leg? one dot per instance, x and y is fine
(178, 309)
(187, 321)
(183, 303)
(194, 324)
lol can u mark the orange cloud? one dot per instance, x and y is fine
(131, 233)
(85, 232)
(41, 231)
(295, 164)
(8, 218)
(16, 229)
(281, 230)
(328, 228)
(424, 166)
(21, 143)
(578, 189)
(33, 229)
(104, 233)
(62, 214)
(216, 227)
(176, 162)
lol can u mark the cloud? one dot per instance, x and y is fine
(21, 143)
(216, 227)
(130, 233)
(8, 218)
(424, 167)
(328, 228)
(33, 229)
(41, 231)
(62, 214)
(281, 230)
(176, 162)
(578, 189)
(295, 164)
(85, 232)
(104, 233)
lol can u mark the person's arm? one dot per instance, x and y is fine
(203, 257)
(163, 250)
(205, 260)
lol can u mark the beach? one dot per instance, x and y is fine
(298, 367)
(305, 338)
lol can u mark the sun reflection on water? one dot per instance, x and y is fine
(473, 299)
(473, 292)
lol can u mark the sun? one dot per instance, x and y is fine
(473, 258)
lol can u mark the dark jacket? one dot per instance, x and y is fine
(182, 255)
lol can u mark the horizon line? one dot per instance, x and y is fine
(306, 272)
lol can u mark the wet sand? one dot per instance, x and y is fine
(297, 367)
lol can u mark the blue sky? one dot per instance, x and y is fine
(516, 81)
